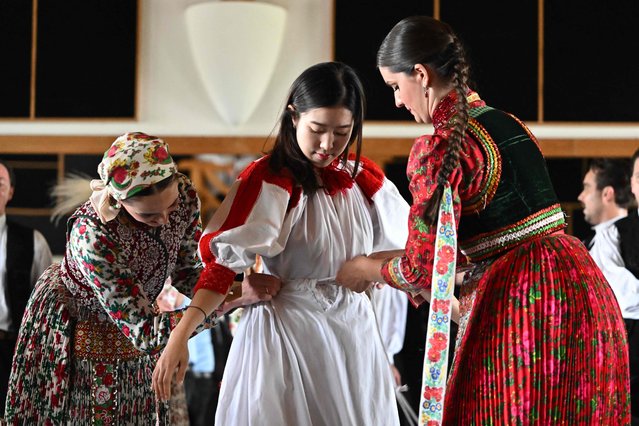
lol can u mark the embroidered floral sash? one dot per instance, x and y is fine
(431, 411)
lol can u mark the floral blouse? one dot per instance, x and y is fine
(413, 271)
(118, 269)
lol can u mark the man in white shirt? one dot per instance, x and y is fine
(606, 197)
(628, 228)
(24, 255)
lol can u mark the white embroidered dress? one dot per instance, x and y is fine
(313, 355)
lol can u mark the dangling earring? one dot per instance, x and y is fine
(425, 91)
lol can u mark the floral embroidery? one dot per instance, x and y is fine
(108, 279)
(438, 333)
(525, 345)
(104, 394)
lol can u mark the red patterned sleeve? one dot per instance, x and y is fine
(413, 271)
(214, 276)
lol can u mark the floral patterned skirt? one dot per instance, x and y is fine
(72, 372)
(541, 341)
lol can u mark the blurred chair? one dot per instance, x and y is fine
(210, 180)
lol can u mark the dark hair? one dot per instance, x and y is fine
(634, 158)
(613, 173)
(155, 188)
(427, 41)
(325, 85)
(12, 175)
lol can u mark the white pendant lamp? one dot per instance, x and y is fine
(235, 45)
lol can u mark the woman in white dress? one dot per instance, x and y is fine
(312, 355)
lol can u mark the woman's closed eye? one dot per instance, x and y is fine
(170, 209)
(322, 131)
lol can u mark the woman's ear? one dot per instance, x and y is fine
(294, 117)
(422, 74)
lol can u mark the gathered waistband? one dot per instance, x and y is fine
(487, 245)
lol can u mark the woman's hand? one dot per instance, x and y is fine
(172, 364)
(397, 376)
(359, 273)
(175, 357)
(256, 288)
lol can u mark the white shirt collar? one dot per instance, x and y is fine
(607, 223)
(3, 220)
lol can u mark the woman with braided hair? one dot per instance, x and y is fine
(541, 338)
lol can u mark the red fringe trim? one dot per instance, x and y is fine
(215, 277)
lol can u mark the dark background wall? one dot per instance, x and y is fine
(571, 63)
(584, 64)
(86, 56)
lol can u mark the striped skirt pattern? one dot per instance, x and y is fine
(76, 372)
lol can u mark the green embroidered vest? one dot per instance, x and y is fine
(518, 202)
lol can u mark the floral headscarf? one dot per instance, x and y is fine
(134, 162)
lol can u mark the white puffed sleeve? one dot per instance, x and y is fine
(252, 220)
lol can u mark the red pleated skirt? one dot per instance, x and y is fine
(542, 342)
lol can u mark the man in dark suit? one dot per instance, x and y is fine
(628, 228)
(24, 255)
(615, 246)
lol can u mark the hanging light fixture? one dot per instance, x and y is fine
(235, 46)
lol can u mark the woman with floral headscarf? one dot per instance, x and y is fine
(91, 333)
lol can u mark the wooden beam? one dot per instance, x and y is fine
(374, 147)
(588, 148)
(179, 145)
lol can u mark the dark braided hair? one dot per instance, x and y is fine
(427, 41)
(324, 85)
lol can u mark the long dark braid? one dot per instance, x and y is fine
(451, 158)
(425, 40)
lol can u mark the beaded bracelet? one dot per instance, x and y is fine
(200, 309)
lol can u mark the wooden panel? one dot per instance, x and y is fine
(90, 144)
(374, 147)
(588, 148)
(86, 58)
(15, 51)
(360, 27)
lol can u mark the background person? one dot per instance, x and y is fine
(615, 247)
(24, 255)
